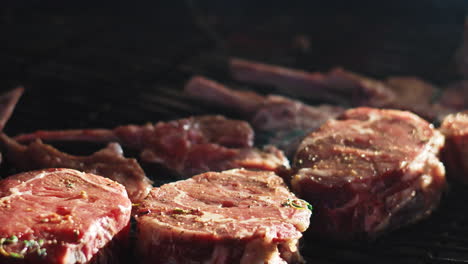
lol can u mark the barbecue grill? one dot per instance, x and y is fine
(118, 64)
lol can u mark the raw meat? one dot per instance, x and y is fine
(368, 172)
(455, 153)
(61, 216)
(337, 86)
(235, 216)
(346, 88)
(108, 162)
(188, 146)
(285, 121)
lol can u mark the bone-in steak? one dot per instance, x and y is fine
(235, 216)
(338, 85)
(369, 171)
(60, 216)
(187, 146)
(346, 88)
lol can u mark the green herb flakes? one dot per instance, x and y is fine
(29, 247)
(298, 204)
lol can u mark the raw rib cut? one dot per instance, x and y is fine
(345, 87)
(188, 146)
(337, 86)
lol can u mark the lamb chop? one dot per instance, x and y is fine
(235, 216)
(108, 162)
(346, 88)
(187, 146)
(286, 121)
(338, 85)
(369, 171)
(63, 216)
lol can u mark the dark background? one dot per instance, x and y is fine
(109, 63)
(78, 60)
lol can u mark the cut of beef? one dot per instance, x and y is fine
(61, 216)
(235, 216)
(188, 146)
(200, 129)
(455, 152)
(369, 171)
(346, 88)
(337, 86)
(217, 158)
(108, 162)
(286, 121)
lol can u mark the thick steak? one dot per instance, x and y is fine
(455, 153)
(369, 171)
(235, 216)
(60, 216)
